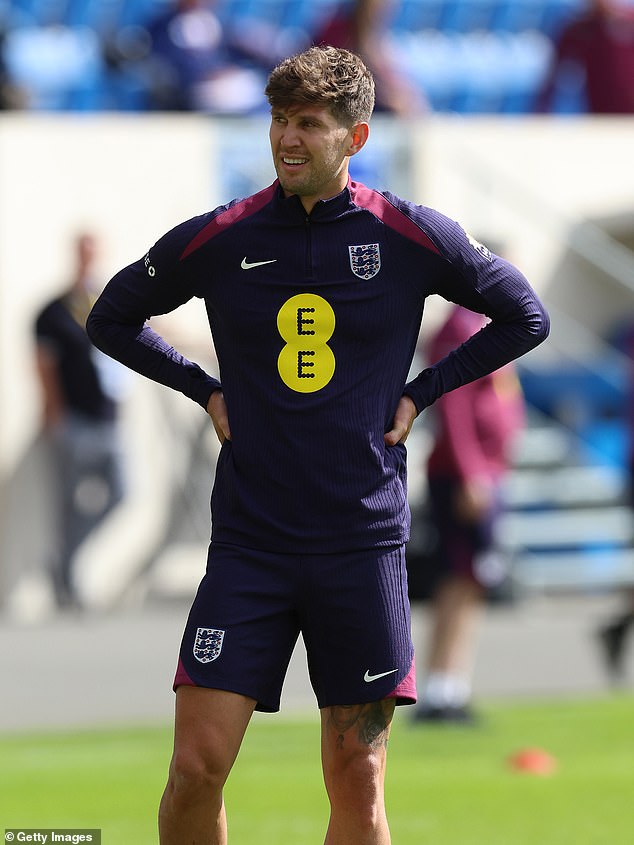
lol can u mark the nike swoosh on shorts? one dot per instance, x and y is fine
(368, 678)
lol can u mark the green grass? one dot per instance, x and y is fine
(447, 786)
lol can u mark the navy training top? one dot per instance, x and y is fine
(315, 319)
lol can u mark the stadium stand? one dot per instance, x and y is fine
(468, 56)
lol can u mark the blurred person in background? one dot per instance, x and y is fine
(360, 26)
(594, 53)
(5, 82)
(80, 388)
(12, 96)
(475, 427)
(189, 65)
(616, 632)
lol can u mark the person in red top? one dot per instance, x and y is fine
(600, 46)
(475, 428)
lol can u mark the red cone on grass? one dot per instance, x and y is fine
(534, 761)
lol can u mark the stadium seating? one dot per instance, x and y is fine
(469, 56)
(61, 67)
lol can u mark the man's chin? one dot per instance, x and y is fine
(290, 187)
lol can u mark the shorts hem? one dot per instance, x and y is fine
(184, 679)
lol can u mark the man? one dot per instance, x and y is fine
(80, 410)
(314, 289)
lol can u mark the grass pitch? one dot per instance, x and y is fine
(448, 785)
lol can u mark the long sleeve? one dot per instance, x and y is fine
(491, 286)
(117, 325)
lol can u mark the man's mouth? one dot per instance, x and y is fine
(293, 161)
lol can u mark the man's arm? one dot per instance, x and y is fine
(51, 389)
(117, 325)
(519, 323)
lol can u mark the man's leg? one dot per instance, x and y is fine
(455, 614)
(354, 750)
(613, 637)
(457, 609)
(209, 728)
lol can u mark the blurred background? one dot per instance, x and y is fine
(120, 118)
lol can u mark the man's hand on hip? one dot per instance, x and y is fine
(217, 410)
(404, 417)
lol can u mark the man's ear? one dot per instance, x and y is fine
(359, 134)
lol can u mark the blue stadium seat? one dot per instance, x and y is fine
(298, 14)
(518, 15)
(286, 14)
(415, 15)
(267, 10)
(39, 12)
(471, 56)
(467, 15)
(482, 78)
(569, 94)
(529, 58)
(139, 12)
(103, 17)
(429, 59)
(60, 67)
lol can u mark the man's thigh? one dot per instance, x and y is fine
(357, 724)
(355, 732)
(210, 725)
(356, 625)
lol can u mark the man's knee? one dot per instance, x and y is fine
(210, 725)
(358, 773)
(194, 775)
(355, 792)
(355, 749)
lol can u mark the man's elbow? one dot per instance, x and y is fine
(96, 331)
(92, 328)
(543, 328)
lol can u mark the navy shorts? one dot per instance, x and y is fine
(352, 610)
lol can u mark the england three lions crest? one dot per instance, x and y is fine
(365, 260)
(208, 644)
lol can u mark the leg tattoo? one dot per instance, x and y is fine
(372, 721)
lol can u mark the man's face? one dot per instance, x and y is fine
(311, 152)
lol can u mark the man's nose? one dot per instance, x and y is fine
(290, 137)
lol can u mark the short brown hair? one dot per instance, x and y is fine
(329, 76)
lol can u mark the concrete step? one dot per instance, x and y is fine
(565, 487)
(590, 571)
(592, 526)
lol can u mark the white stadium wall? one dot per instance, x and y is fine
(127, 179)
(547, 190)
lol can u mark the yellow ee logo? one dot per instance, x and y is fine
(306, 362)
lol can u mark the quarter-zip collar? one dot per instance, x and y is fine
(323, 211)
